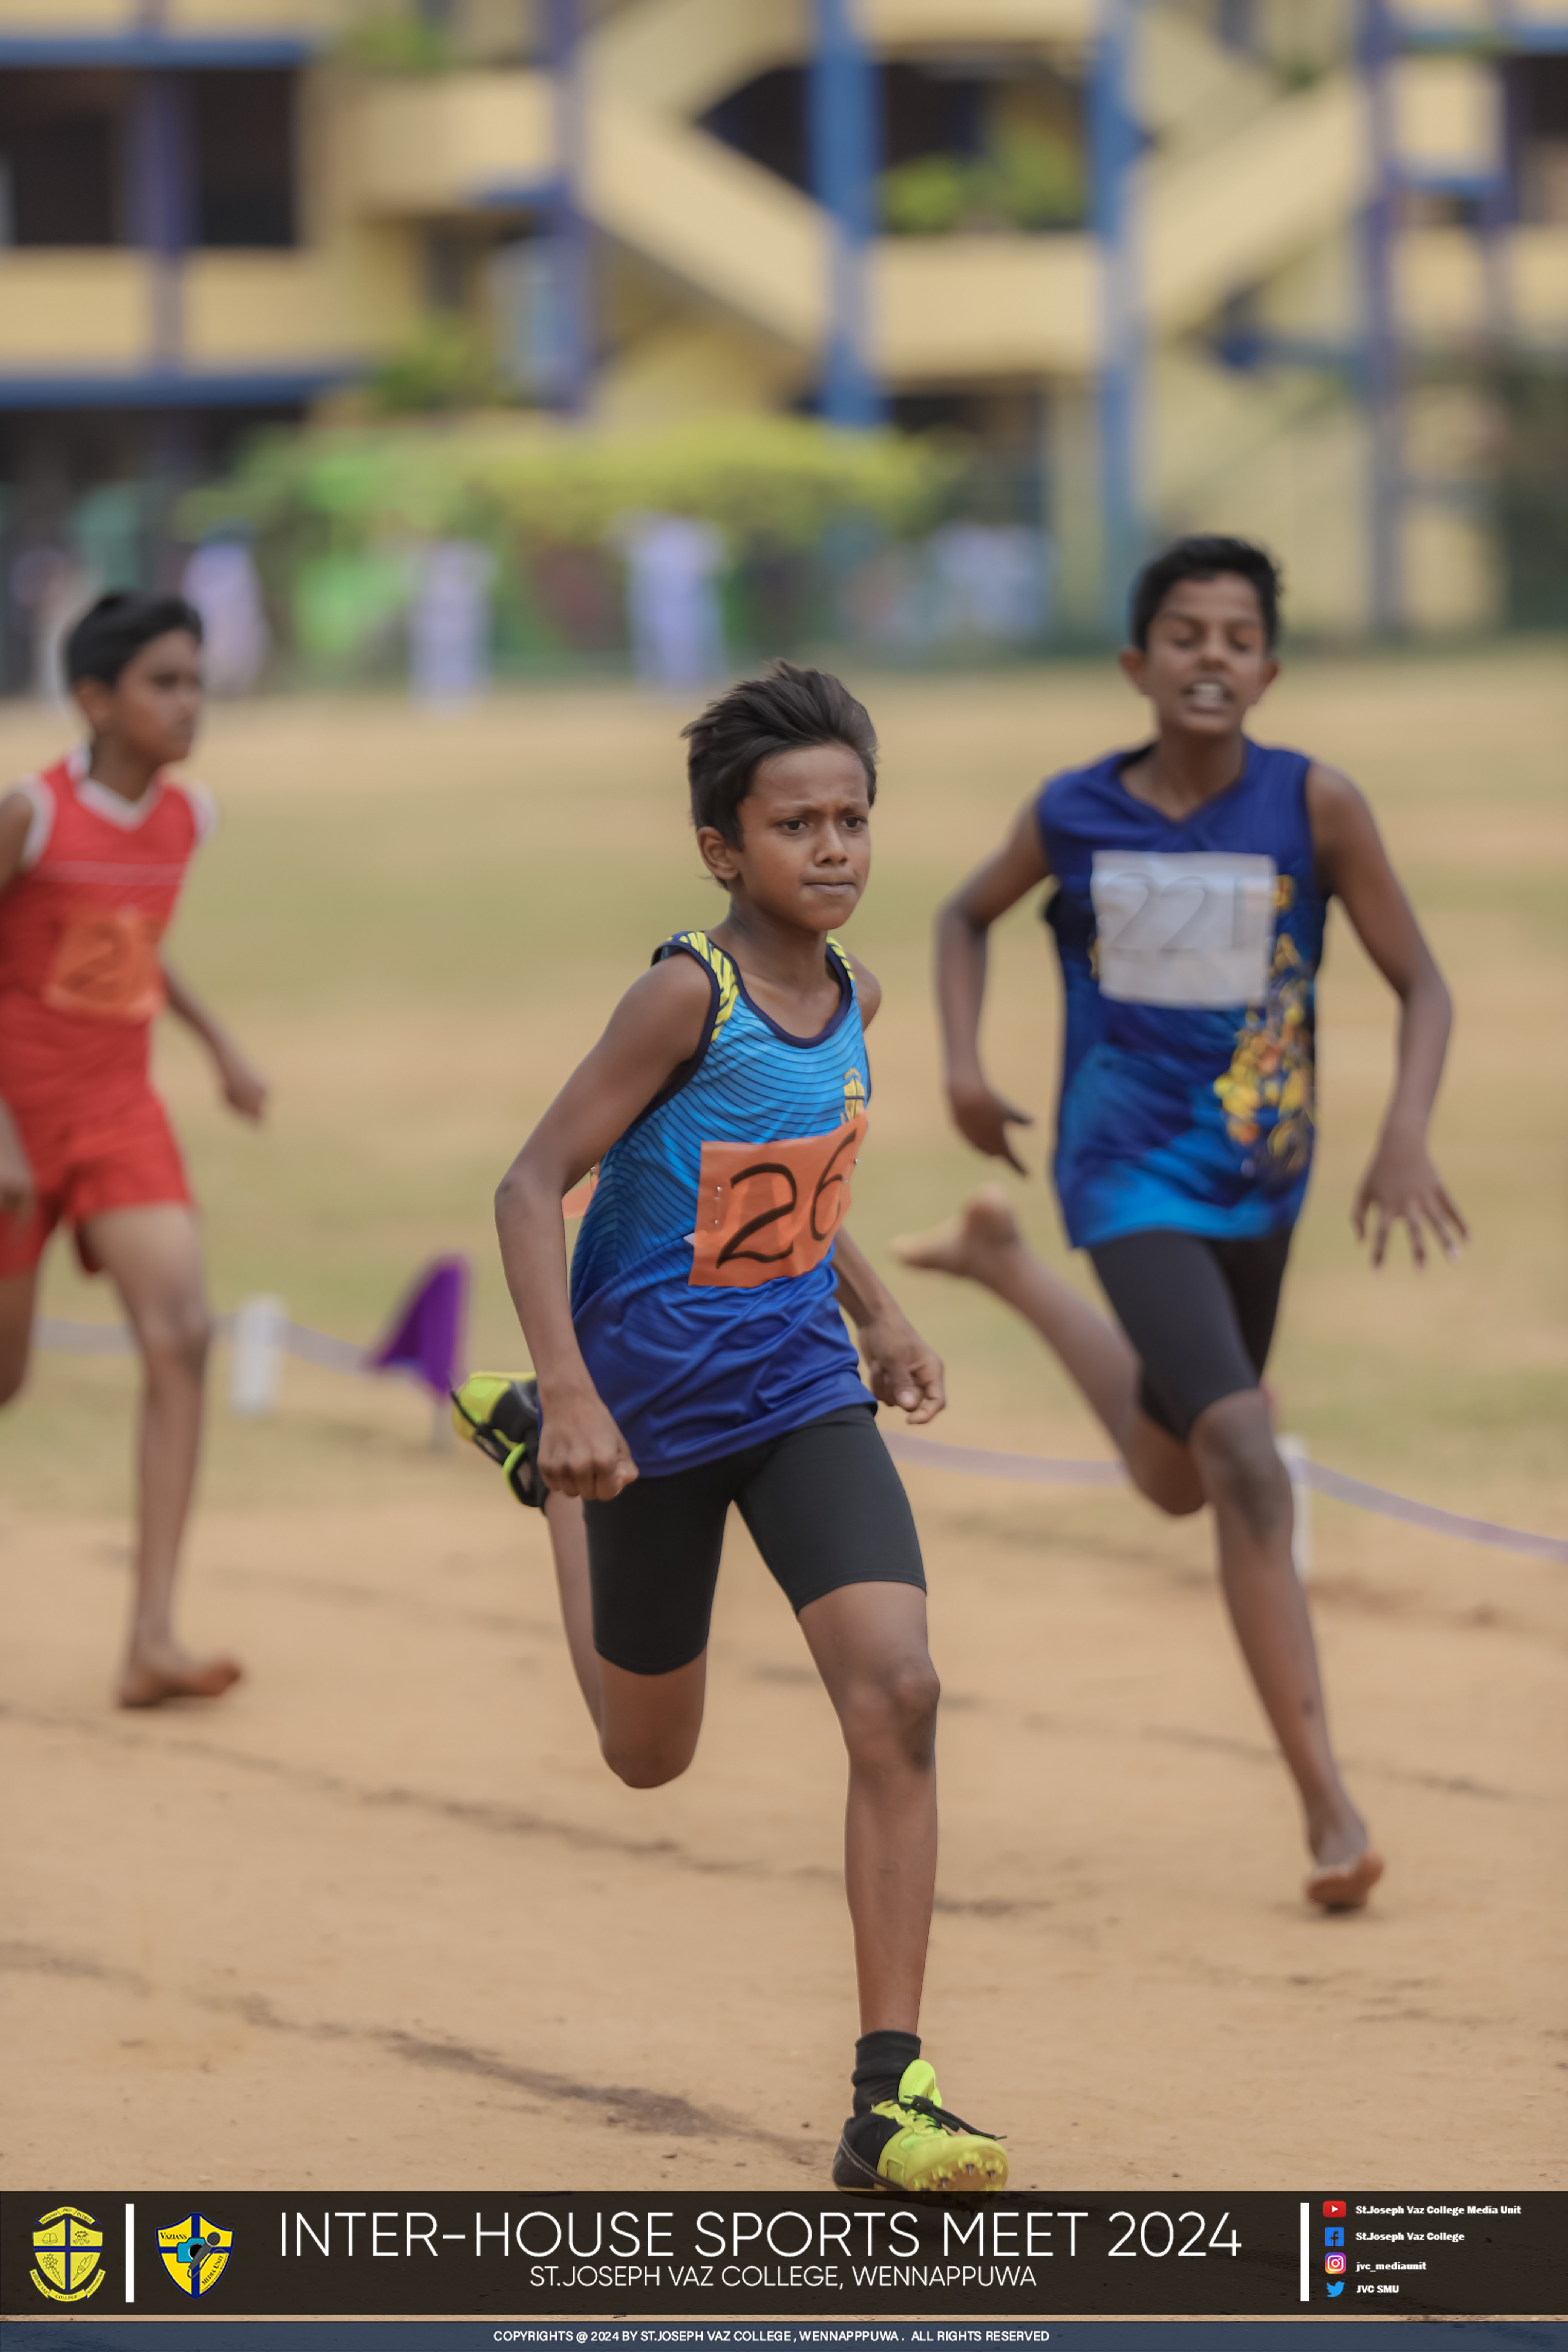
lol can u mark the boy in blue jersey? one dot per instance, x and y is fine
(1193, 876)
(698, 1356)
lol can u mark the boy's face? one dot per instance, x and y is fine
(154, 705)
(1207, 660)
(806, 846)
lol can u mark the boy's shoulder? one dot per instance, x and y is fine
(1068, 789)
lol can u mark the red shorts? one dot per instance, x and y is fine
(84, 1163)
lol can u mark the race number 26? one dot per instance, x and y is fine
(771, 1209)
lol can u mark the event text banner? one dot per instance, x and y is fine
(204, 2252)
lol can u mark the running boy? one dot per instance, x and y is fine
(700, 1358)
(92, 857)
(1193, 877)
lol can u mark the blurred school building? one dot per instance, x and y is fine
(1295, 267)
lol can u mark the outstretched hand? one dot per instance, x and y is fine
(243, 1088)
(1403, 1186)
(982, 1120)
(902, 1368)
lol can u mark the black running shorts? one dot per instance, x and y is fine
(1199, 1312)
(825, 1505)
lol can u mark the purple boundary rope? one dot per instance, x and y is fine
(928, 1454)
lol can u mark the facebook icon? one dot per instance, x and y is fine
(1334, 2237)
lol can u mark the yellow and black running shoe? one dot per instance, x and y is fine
(914, 2146)
(500, 1416)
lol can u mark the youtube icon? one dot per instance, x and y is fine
(1334, 2209)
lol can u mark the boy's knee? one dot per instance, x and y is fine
(646, 1766)
(898, 1712)
(1178, 1496)
(1235, 1448)
(179, 1334)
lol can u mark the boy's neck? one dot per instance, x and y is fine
(782, 956)
(126, 773)
(1182, 771)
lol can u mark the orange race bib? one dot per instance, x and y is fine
(106, 966)
(771, 1209)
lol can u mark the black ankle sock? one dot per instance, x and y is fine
(879, 2062)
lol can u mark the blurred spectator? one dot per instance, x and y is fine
(994, 579)
(450, 624)
(221, 583)
(52, 588)
(672, 598)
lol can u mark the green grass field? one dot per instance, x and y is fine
(418, 924)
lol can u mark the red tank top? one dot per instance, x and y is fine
(80, 977)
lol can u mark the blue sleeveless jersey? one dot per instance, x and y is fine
(693, 1372)
(1189, 954)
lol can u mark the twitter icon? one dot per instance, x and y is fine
(1336, 2286)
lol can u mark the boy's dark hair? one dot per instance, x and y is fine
(784, 710)
(1204, 555)
(113, 631)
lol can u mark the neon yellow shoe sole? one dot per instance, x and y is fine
(500, 1415)
(912, 2147)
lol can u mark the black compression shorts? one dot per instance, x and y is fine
(825, 1505)
(1200, 1314)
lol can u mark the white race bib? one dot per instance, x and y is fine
(1195, 929)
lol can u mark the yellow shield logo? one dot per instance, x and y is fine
(194, 2253)
(68, 2244)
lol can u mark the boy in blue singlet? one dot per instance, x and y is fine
(699, 1358)
(1192, 880)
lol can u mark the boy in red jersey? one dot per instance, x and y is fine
(92, 857)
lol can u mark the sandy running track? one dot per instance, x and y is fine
(384, 1919)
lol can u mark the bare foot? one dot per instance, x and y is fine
(968, 1243)
(151, 1677)
(1344, 1886)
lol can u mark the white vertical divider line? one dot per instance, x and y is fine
(1305, 2281)
(1298, 1463)
(131, 2253)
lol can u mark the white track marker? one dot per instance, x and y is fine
(260, 1337)
(1294, 1454)
(1306, 2275)
(131, 2253)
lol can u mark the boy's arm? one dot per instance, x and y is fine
(982, 1117)
(243, 1088)
(901, 1367)
(15, 1172)
(1401, 1181)
(657, 1026)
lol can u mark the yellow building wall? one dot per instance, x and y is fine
(74, 310)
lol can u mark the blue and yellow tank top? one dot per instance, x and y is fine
(702, 1283)
(1189, 955)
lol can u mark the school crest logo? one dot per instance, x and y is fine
(196, 2252)
(68, 2244)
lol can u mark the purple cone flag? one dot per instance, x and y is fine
(426, 1334)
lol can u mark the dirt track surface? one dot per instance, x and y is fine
(382, 1915)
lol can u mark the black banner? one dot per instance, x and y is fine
(101, 2252)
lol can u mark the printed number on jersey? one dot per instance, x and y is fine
(765, 1210)
(106, 966)
(1176, 930)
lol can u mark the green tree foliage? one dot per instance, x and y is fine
(1027, 179)
(533, 480)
